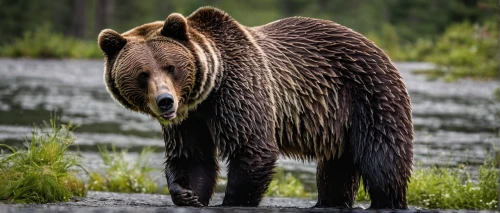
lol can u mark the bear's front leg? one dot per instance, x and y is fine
(179, 175)
(244, 129)
(192, 180)
(249, 174)
(191, 171)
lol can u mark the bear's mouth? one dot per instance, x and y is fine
(168, 115)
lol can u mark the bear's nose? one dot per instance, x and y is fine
(165, 101)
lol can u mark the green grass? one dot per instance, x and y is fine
(433, 188)
(444, 188)
(42, 172)
(123, 175)
(44, 43)
(45, 172)
(285, 184)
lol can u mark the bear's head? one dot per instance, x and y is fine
(153, 68)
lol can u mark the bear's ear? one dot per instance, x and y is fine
(111, 42)
(176, 27)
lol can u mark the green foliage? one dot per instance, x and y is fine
(410, 18)
(424, 19)
(434, 188)
(403, 29)
(452, 189)
(44, 43)
(443, 188)
(417, 51)
(362, 194)
(286, 185)
(465, 50)
(496, 94)
(44, 171)
(123, 175)
(388, 40)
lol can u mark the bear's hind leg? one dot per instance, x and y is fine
(385, 175)
(337, 181)
(381, 141)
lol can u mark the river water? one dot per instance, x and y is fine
(454, 122)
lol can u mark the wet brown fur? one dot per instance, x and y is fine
(306, 88)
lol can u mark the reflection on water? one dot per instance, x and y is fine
(454, 122)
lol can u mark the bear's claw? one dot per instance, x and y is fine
(183, 197)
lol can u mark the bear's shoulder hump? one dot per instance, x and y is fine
(208, 15)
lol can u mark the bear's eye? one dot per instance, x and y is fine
(143, 79)
(170, 69)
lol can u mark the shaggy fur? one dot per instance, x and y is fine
(306, 88)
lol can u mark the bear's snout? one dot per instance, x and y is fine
(165, 103)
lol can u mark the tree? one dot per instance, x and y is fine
(104, 8)
(78, 24)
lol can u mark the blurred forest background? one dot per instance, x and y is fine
(460, 36)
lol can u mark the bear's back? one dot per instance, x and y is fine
(317, 65)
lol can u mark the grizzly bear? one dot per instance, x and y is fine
(305, 88)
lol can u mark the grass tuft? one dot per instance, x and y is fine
(123, 175)
(444, 188)
(44, 171)
(286, 185)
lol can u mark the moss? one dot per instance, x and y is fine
(123, 175)
(44, 171)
